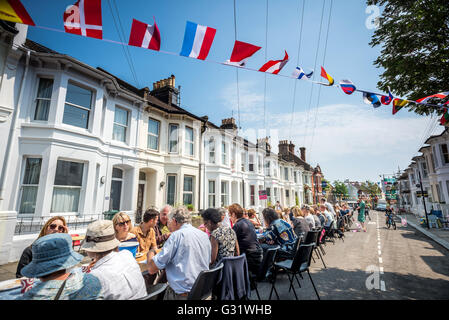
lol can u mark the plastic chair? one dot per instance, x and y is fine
(298, 265)
(267, 264)
(156, 292)
(205, 283)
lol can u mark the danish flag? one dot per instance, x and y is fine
(84, 19)
(145, 35)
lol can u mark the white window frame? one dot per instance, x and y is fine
(189, 143)
(251, 163)
(121, 125)
(43, 99)
(224, 192)
(22, 185)
(444, 155)
(224, 154)
(170, 125)
(166, 192)
(184, 192)
(78, 106)
(154, 135)
(211, 147)
(211, 194)
(69, 187)
(252, 195)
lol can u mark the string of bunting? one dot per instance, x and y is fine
(84, 18)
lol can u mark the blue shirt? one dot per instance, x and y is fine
(184, 255)
(329, 217)
(280, 232)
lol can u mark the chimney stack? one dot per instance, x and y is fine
(283, 147)
(291, 148)
(228, 123)
(303, 153)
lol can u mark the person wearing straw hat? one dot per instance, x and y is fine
(118, 271)
(53, 260)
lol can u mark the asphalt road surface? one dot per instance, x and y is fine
(380, 264)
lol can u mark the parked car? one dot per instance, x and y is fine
(381, 207)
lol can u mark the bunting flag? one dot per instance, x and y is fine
(445, 118)
(347, 86)
(298, 73)
(326, 76)
(398, 104)
(371, 98)
(241, 53)
(84, 19)
(197, 41)
(145, 35)
(14, 11)
(386, 100)
(274, 66)
(440, 95)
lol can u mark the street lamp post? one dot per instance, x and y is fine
(423, 198)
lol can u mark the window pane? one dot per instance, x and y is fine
(189, 134)
(152, 142)
(69, 173)
(119, 133)
(45, 88)
(173, 143)
(211, 186)
(189, 148)
(32, 171)
(121, 116)
(188, 183)
(79, 96)
(171, 180)
(116, 194)
(188, 198)
(153, 127)
(75, 116)
(142, 176)
(28, 201)
(117, 173)
(42, 108)
(65, 200)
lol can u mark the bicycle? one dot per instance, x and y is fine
(390, 221)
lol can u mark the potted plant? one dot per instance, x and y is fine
(190, 207)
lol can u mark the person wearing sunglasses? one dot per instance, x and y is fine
(56, 224)
(122, 226)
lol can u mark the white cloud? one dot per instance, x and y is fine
(249, 99)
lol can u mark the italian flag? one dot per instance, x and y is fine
(14, 11)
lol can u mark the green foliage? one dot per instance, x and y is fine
(370, 188)
(340, 189)
(414, 36)
(297, 200)
(190, 207)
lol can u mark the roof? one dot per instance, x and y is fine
(30, 44)
(294, 158)
(436, 136)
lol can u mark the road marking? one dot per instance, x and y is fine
(381, 270)
(382, 286)
(380, 253)
(380, 260)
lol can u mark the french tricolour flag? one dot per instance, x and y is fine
(145, 35)
(197, 41)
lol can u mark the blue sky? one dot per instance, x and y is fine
(346, 137)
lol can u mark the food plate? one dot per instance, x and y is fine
(139, 255)
(9, 284)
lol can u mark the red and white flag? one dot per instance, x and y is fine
(84, 19)
(241, 53)
(145, 35)
(440, 95)
(274, 66)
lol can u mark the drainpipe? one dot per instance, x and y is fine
(12, 130)
(200, 168)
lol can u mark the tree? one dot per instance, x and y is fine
(414, 36)
(340, 189)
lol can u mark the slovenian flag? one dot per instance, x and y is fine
(387, 100)
(398, 104)
(371, 98)
(326, 76)
(347, 86)
(298, 73)
(197, 41)
(145, 35)
(241, 53)
(274, 66)
(14, 11)
(440, 95)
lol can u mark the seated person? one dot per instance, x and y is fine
(300, 224)
(184, 255)
(329, 217)
(223, 239)
(118, 271)
(55, 224)
(53, 260)
(145, 232)
(279, 232)
(305, 210)
(252, 216)
(161, 228)
(246, 237)
(122, 226)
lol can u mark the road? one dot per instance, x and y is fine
(380, 264)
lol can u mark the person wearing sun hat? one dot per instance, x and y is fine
(118, 271)
(53, 262)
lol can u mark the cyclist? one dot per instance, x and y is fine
(389, 212)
